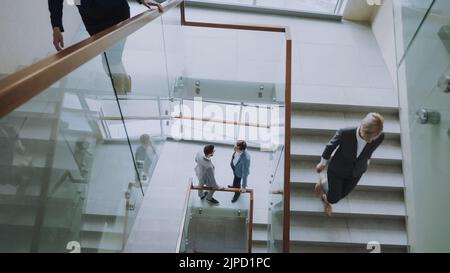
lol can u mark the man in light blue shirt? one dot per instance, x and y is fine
(240, 164)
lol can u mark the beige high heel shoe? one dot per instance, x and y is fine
(122, 83)
(318, 188)
(328, 209)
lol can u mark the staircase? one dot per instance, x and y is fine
(102, 233)
(374, 211)
(38, 213)
(259, 238)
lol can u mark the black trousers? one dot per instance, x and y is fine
(340, 186)
(100, 15)
(237, 184)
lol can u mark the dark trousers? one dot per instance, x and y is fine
(100, 15)
(339, 186)
(237, 184)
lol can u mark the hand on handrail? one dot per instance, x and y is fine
(58, 39)
(152, 3)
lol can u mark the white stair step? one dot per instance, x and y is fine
(315, 248)
(347, 231)
(36, 156)
(327, 122)
(356, 204)
(259, 233)
(96, 250)
(15, 239)
(309, 146)
(58, 215)
(345, 107)
(259, 247)
(37, 107)
(102, 223)
(106, 207)
(33, 201)
(379, 177)
(260, 216)
(104, 242)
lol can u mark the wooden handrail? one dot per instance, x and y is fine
(18, 88)
(203, 188)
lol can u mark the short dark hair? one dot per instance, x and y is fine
(209, 149)
(242, 145)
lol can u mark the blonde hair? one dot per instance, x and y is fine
(372, 124)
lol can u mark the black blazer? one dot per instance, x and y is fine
(344, 162)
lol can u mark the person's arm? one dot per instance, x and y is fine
(381, 141)
(246, 172)
(56, 14)
(329, 149)
(332, 145)
(151, 3)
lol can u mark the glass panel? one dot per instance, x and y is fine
(409, 15)
(250, 67)
(211, 228)
(276, 204)
(234, 95)
(174, 47)
(139, 71)
(249, 71)
(62, 182)
(425, 76)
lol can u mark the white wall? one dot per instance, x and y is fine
(26, 32)
(384, 32)
(358, 10)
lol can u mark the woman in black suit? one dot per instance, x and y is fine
(355, 147)
(98, 15)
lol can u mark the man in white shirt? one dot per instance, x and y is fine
(354, 148)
